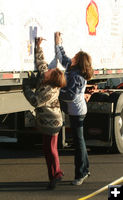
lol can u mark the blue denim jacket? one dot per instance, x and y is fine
(73, 93)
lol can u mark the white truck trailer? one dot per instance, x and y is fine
(91, 25)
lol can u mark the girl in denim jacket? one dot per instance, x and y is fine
(78, 72)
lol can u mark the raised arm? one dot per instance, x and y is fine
(60, 53)
(41, 64)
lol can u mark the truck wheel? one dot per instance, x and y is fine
(117, 137)
(99, 97)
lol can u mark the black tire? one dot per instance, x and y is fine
(117, 136)
(99, 97)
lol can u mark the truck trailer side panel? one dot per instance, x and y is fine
(93, 26)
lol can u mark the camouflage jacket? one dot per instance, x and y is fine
(44, 99)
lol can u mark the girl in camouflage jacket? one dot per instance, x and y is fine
(47, 108)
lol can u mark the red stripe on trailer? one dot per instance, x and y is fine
(119, 71)
(109, 71)
(7, 76)
(96, 72)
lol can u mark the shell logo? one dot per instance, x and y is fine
(92, 17)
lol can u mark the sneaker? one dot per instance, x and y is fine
(79, 181)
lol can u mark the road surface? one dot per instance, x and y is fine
(23, 174)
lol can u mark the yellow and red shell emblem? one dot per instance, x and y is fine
(92, 17)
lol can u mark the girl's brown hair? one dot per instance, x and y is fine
(57, 79)
(84, 64)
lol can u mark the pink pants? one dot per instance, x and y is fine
(51, 155)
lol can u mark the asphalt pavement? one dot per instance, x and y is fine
(23, 174)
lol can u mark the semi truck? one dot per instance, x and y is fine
(93, 26)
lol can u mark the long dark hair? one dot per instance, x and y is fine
(84, 64)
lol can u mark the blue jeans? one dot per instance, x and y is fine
(81, 156)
